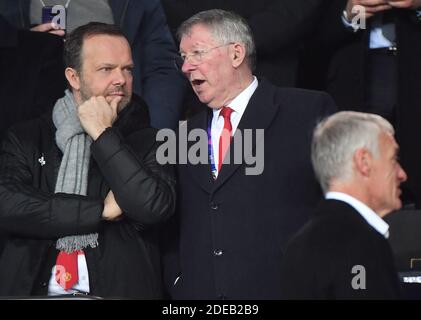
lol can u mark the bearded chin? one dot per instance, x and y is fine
(122, 104)
(85, 94)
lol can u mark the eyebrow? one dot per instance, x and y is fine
(110, 65)
(106, 65)
(195, 47)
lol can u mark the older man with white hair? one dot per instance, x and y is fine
(343, 253)
(233, 225)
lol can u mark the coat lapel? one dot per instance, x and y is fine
(200, 172)
(24, 7)
(259, 114)
(129, 23)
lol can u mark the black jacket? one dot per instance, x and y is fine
(126, 263)
(319, 261)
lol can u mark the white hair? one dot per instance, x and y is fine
(226, 27)
(336, 139)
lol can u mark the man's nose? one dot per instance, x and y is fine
(119, 77)
(402, 176)
(187, 67)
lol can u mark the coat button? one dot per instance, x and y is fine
(44, 284)
(214, 206)
(218, 253)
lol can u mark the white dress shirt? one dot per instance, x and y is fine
(377, 38)
(369, 215)
(239, 105)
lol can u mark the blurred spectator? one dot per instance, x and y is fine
(31, 75)
(143, 23)
(375, 69)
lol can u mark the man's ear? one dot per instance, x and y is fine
(73, 78)
(363, 162)
(237, 54)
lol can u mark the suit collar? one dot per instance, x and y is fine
(339, 208)
(366, 212)
(260, 112)
(240, 103)
(200, 172)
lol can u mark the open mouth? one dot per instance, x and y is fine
(197, 83)
(120, 94)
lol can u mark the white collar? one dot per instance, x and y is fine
(240, 102)
(368, 214)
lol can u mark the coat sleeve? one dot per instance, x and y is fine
(27, 211)
(162, 85)
(144, 189)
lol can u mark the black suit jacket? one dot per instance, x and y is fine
(233, 230)
(319, 260)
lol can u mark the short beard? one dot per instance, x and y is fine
(86, 94)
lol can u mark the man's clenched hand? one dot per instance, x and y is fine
(111, 209)
(96, 114)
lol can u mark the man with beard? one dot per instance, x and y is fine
(80, 190)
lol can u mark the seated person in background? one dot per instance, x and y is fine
(343, 253)
(31, 75)
(373, 67)
(80, 190)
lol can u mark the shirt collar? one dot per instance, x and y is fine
(240, 102)
(368, 214)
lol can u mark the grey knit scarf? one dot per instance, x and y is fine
(73, 173)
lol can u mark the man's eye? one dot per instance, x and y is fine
(105, 69)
